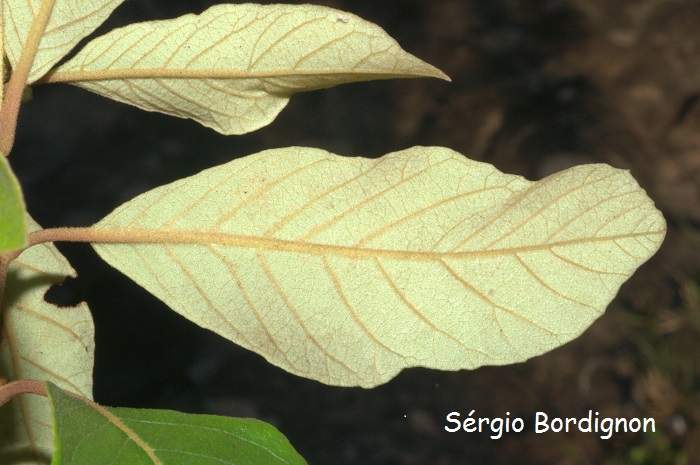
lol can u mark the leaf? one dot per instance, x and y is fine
(347, 270)
(87, 433)
(13, 231)
(70, 22)
(40, 341)
(233, 68)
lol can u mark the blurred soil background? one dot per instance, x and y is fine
(537, 86)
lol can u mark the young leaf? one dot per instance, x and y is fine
(13, 231)
(347, 270)
(70, 22)
(87, 433)
(234, 67)
(40, 341)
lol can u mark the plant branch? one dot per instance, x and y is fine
(23, 386)
(20, 74)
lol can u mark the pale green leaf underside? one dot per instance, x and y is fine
(43, 342)
(13, 230)
(347, 270)
(87, 433)
(234, 67)
(70, 22)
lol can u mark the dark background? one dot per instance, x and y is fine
(538, 85)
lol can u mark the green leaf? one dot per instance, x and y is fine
(70, 22)
(87, 433)
(13, 230)
(233, 68)
(43, 342)
(347, 270)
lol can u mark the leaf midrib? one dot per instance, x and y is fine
(183, 237)
(208, 73)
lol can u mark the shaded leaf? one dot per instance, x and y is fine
(234, 67)
(43, 342)
(87, 433)
(13, 231)
(347, 270)
(70, 22)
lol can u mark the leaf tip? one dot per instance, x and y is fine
(442, 75)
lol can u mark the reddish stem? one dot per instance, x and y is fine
(24, 386)
(15, 88)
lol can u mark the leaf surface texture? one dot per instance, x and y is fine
(88, 433)
(43, 342)
(347, 270)
(234, 67)
(70, 22)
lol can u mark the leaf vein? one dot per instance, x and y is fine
(367, 200)
(421, 316)
(353, 313)
(300, 320)
(541, 282)
(252, 306)
(416, 213)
